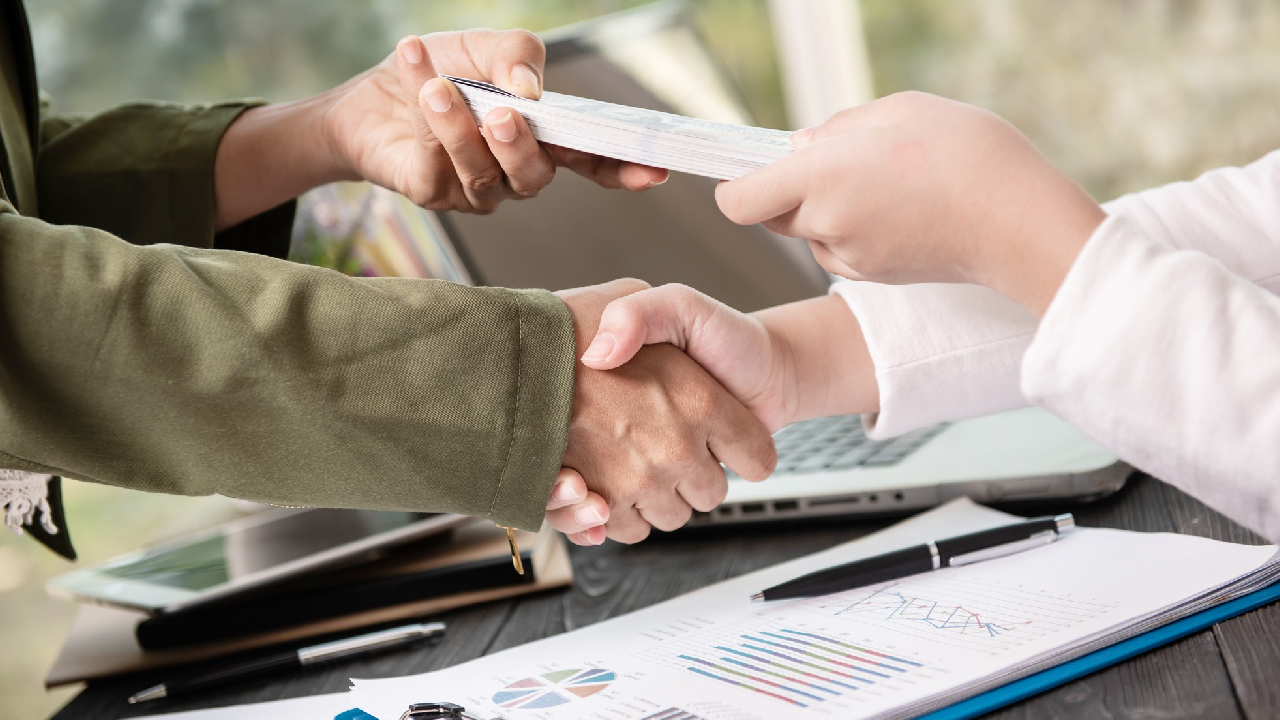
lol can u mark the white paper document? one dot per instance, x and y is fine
(891, 650)
(639, 135)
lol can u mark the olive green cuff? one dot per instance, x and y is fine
(542, 407)
(145, 173)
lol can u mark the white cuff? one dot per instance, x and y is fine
(941, 352)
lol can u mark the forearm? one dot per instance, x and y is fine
(198, 371)
(272, 154)
(827, 368)
(1161, 354)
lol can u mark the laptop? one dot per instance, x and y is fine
(576, 234)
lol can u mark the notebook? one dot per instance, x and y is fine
(893, 650)
(103, 641)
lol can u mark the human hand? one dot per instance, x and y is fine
(917, 188)
(648, 438)
(401, 126)
(786, 364)
(738, 350)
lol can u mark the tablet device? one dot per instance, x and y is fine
(250, 553)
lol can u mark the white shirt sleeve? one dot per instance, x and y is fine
(941, 352)
(1172, 361)
(948, 352)
(1163, 343)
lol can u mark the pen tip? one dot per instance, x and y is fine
(151, 693)
(758, 597)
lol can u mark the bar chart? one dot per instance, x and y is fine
(799, 667)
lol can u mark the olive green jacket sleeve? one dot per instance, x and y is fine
(144, 172)
(196, 371)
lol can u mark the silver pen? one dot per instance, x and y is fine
(346, 648)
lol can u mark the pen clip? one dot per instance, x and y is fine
(516, 562)
(437, 711)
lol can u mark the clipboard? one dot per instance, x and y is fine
(1041, 681)
(1106, 657)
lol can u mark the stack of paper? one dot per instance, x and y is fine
(893, 650)
(638, 135)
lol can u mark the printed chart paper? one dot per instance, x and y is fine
(889, 650)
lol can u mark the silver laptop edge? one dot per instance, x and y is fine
(1018, 456)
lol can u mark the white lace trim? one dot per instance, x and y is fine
(21, 494)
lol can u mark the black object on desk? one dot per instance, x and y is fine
(310, 602)
(436, 711)
(951, 552)
(344, 649)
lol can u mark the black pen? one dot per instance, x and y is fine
(952, 552)
(381, 641)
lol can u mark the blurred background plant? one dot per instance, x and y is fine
(1122, 95)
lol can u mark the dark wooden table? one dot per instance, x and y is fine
(1229, 671)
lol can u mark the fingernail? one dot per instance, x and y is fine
(600, 348)
(523, 77)
(801, 137)
(588, 516)
(565, 494)
(656, 183)
(437, 95)
(503, 128)
(411, 50)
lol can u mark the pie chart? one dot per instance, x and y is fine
(553, 688)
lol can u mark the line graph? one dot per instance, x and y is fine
(965, 614)
(896, 605)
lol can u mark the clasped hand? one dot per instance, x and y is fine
(646, 440)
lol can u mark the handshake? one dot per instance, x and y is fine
(651, 426)
(905, 189)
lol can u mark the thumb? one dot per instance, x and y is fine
(666, 314)
(514, 62)
(858, 117)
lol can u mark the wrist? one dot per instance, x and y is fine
(826, 366)
(271, 154)
(1041, 252)
(329, 138)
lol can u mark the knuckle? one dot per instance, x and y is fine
(765, 455)
(483, 181)
(680, 451)
(828, 226)
(630, 534)
(524, 40)
(629, 285)
(674, 520)
(730, 204)
(702, 403)
(531, 190)
(430, 199)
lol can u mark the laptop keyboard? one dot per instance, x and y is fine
(838, 443)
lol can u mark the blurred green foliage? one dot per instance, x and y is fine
(194, 50)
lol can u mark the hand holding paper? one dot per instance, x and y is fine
(915, 188)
